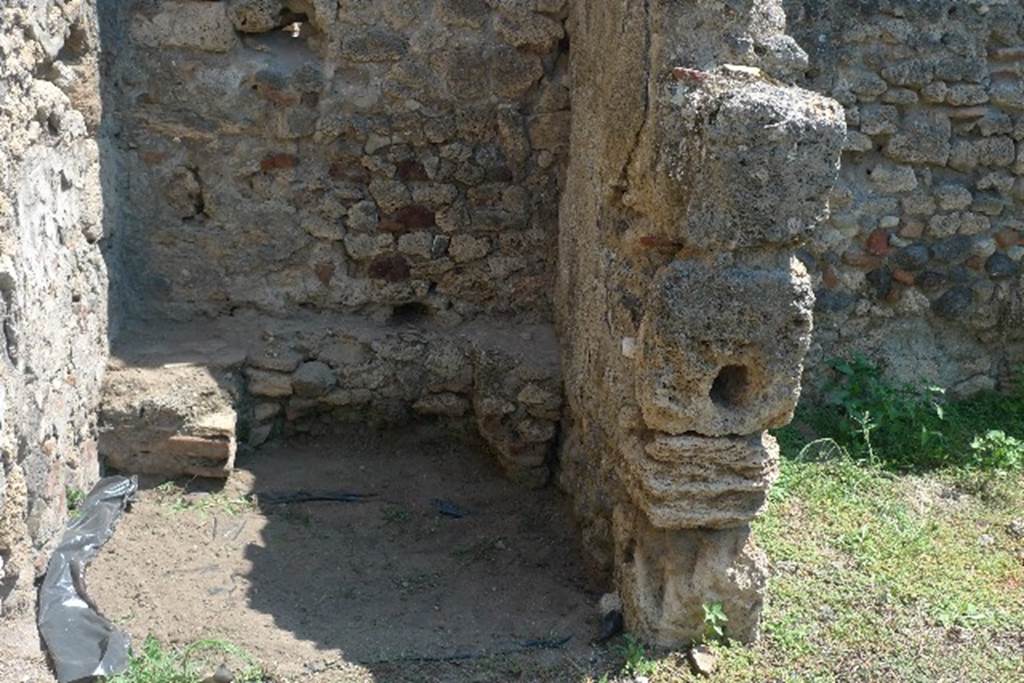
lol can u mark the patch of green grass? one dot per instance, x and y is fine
(912, 428)
(883, 576)
(154, 663)
(173, 495)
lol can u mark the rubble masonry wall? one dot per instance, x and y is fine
(919, 265)
(53, 278)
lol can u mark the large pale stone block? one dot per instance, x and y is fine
(765, 158)
(771, 155)
(175, 419)
(690, 482)
(721, 349)
(666, 577)
(732, 159)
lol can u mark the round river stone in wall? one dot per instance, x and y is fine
(313, 379)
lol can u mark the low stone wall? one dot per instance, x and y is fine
(919, 265)
(179, 400)
(53, 283)
(503, 383)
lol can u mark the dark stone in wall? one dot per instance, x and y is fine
(999, 265)
(954, 304)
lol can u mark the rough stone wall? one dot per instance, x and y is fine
(371, 188)
(684, 317)
(350, 156)
(920, 264)
(53, 283)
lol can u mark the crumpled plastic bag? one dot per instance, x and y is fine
(82, 643)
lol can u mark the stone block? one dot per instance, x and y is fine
(694, 482)
(444, 404)
(269, 384)
(463, 13)
(313, 379)
(192, 25)
(172, 420)
(274, 358)
(924, 139)
(512, 72)
(721, 349)
(255, 16)
(665, 577)
(528, 30)
(522, 442)
(749, 162)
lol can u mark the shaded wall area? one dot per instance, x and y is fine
(53, 278)
(920, 263)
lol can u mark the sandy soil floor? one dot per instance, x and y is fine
(394, 587)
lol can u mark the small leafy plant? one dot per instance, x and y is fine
(714, 621)
(868, 418)
(995, 449)
(636, 661)
(878, 419)
(154, 663)
(174, 496)
(75, 498)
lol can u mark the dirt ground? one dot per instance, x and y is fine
(393, 587)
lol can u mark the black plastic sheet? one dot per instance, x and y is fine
(81, 642)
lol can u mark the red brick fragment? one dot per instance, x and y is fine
(411, 170)
(903, 277)
(279, 161)
(389, 224)
(681, 73)
(1007, 238)
(152, 158)
(858, 258)
(351, 170)
(412, 217)
(324, 272)
(829, 277)
(878, 242)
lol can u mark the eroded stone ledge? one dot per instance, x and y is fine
(270, 377)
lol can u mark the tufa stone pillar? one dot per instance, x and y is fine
(684, 315)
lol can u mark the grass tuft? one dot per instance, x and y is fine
(154, 663)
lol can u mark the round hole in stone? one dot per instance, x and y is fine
(731, 386)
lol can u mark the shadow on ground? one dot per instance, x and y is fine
(393, 586)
